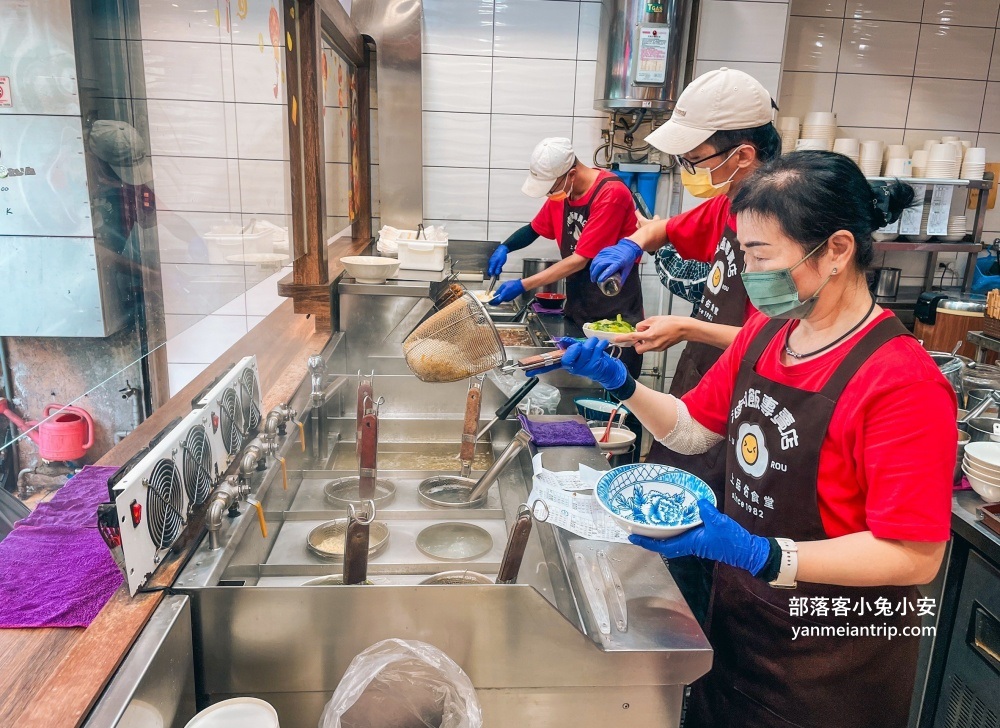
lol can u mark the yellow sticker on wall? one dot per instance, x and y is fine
(295, 111)
(288, 40)
(242, 8)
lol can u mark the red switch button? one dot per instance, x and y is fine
(136, 510)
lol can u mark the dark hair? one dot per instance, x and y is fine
(812, 195)
(764, 139)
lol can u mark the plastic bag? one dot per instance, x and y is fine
(403, 684)
(544, 398)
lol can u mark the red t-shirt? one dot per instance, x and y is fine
(696, 233)
(887, 461)
(612, 217)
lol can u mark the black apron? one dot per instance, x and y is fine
(724, 301)
(584, 300)
(761, 677)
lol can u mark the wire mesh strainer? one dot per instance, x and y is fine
(458, 342)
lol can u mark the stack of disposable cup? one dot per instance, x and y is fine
(956, 228)
(812, 144)
(820, 126)
(974, 164)
(850, 148)
(788, 130)
(919, 162)
(899, 167)
(941, 162)
(871, 158)
(895, 151)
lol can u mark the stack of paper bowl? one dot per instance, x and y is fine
(895, 151)
(871, 158)
(981, 466)
(941, 162)
(820, 126)
(850, 148)
(974, 164)
(956, 228)
(919, 162)
(788, 130)
(820, 145)
(899, 167)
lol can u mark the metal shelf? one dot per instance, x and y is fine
(928, 247)
(972, 184)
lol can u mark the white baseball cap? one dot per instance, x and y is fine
(122, 147)
(725, 99)
(552, 158)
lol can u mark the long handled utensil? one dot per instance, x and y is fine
(507, 407)
(510, 565)
(356, 541)
(473, 406)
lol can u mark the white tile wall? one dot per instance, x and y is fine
(453, 139)
(741, 31)
(813, 43)
(954, 52)
(456, 83)
(863, 100)
(536, 29)
(215, 89)
(939, 103)
(532, 86)
(878, 46)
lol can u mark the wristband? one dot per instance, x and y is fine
(625, 391)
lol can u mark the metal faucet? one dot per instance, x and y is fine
(225, 498)
(317, 373)
(274, 423)
(253, 459)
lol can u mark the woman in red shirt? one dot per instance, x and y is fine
(841, 441)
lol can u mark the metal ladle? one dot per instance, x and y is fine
(993, 398)
(452, 491)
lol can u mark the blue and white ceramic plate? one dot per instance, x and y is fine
(653, 500)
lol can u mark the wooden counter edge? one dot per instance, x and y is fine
(77, 679)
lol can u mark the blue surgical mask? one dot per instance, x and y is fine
(773, 292)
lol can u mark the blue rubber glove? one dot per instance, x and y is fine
(590, 360)
(618, 258)
(497, 260)
(507, 291)
(720, 538)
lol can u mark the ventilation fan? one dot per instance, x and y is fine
(233, 405)
(230, 418)
(249, 401)
(164, 503)
(196, 459)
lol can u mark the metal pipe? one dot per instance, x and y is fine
(251, 459)
(223, 498)
(520, 441)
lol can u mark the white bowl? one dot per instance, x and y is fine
(652, 500)
(605, 335)
(620, 439)
(984, 453)
(985, 474)
(236, 712)
(952, 237)
(369, 268)
(989, 493)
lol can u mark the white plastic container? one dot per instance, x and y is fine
(236, 713)
(422, 254)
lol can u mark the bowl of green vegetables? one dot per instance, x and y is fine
(609, 330)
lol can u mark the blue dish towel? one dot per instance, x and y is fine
(558, 434)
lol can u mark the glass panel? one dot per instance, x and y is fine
(340, 132)
(148, 185)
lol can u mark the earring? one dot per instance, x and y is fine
(833, 272)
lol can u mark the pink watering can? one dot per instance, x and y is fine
(66, 436)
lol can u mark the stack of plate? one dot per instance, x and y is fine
(956, 228)
(942, 162)
(788, 130)
(981, 466)
(871, 158)
(820, 126)
(974, 164)
(850, 148)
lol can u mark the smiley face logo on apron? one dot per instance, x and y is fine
(716, 276)
(751, 450)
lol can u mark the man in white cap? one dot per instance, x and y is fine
(720, 131)
(587, 210)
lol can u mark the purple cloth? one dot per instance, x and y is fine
(963, 484)
(558, 434)
(55, 569)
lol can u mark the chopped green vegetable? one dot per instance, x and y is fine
(613, 327)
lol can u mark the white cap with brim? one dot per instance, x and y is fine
(122, 147)
(722, 100)
(551, 159)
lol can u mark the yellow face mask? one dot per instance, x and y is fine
(699, 184)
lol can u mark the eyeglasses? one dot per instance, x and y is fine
(688, 165)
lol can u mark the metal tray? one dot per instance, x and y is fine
(337, 529)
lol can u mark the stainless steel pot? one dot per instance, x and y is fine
(981, 428)
(963, 439)
(531, 266)
(980, 376)
(884, 283)
(952, 367)
(975, 396)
